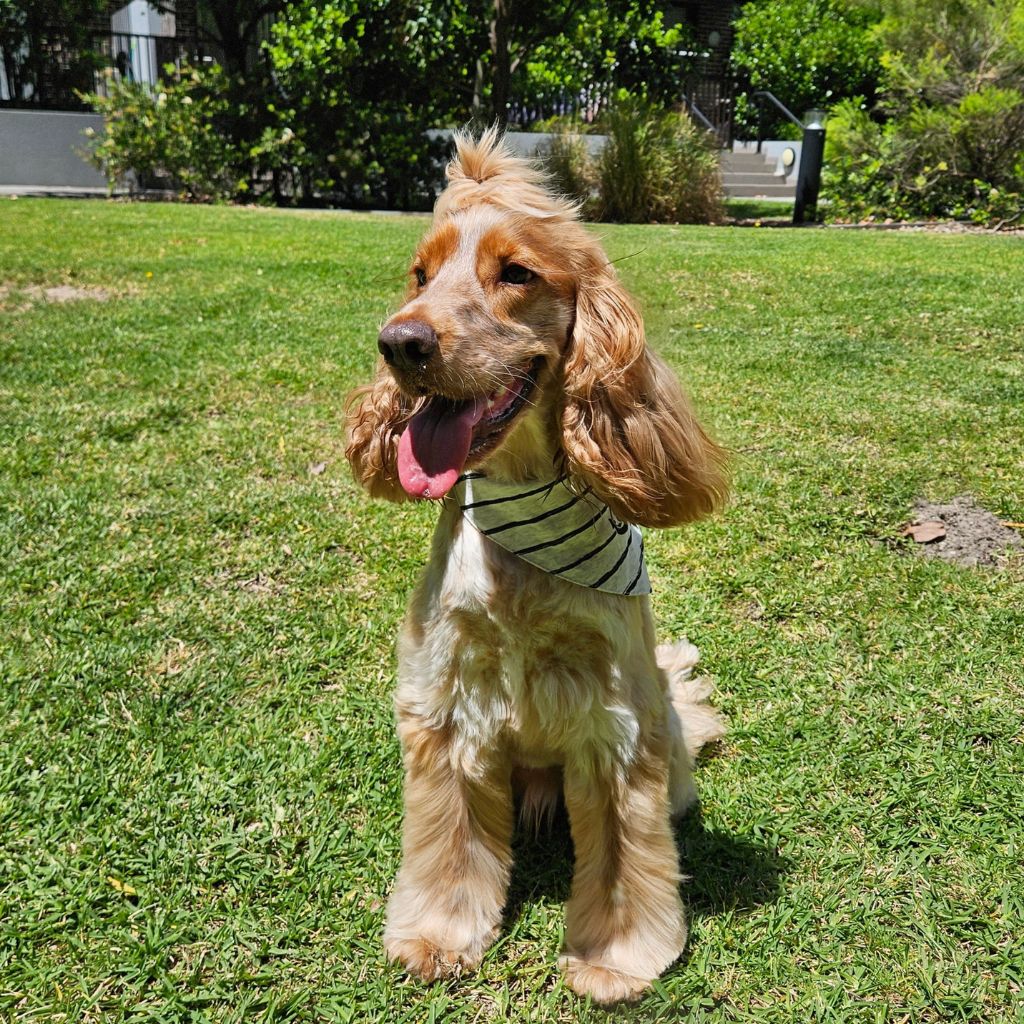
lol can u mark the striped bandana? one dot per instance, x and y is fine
(565, 533)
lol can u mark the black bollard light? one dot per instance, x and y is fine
(808, 177)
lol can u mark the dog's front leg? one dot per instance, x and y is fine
(446, 906)
(624, 920)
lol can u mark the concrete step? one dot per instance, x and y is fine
(773, 191)
(749, 173)
(748, 178)
(744, 162)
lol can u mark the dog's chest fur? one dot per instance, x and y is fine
(510, 658)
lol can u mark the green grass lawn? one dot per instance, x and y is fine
(754, 209)
(199, 779)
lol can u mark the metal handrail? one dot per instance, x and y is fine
(697, 113)
(765, 94)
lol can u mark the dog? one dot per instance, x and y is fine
(515, 387)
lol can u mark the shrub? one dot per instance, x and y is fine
(930, 162)
(947, 138)
(567, 162)
(657, 166)
(170, 135)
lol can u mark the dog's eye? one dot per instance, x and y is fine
(516, 273)
(421, 276)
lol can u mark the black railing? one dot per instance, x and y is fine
(697, 114)
(54, 72)
(584, 106)
(764, 96)
(45, 71)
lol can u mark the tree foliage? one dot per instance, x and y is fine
(809, 53)
(536, 52)
(45, 46)
(627, 46)
(946, 137)
(359, 84)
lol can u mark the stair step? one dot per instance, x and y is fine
(752, 178)
(744, 161)
(768, 191)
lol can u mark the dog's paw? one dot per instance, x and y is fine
(427, 961)
(603, 984)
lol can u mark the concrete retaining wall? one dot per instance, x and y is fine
(40, 148)
(532, 144)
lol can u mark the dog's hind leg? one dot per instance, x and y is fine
(692, 720)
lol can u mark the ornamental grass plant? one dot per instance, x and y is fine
(657, 166)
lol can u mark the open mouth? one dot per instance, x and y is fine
(445, 433)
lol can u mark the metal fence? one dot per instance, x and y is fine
(585, 106)
(52, 73)
(710, 99)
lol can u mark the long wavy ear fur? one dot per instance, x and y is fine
(627, 429)
(377, 414)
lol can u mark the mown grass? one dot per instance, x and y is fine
(755, 209)
(199, 780)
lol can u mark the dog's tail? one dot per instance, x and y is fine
(694, 722)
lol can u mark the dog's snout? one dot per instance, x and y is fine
(408, 344)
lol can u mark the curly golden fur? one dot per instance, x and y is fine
(512, 680)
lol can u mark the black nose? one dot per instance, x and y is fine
(408, 344)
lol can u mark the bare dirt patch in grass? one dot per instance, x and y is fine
(973, 535)
(70, 293)
(25, 296)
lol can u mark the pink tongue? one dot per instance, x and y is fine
(434, 447)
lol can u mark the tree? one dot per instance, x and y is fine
(359, 83)
(625, 47)
(533, 46)
(233, 27)
(809, 53)
(46, 48)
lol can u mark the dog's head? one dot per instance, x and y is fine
(518, 350)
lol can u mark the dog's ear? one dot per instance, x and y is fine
(627, 429)
(376, 416)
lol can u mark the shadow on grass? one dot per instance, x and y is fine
(725, 872)
(541, 865)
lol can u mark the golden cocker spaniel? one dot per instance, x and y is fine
(516, 388)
